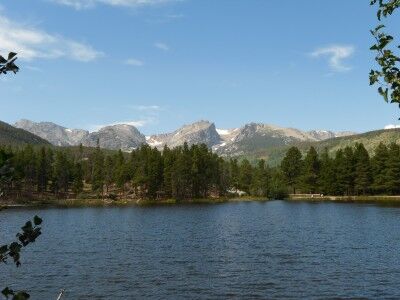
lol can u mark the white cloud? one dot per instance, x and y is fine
(85, 4)
(162, 46)
(135, 123)
(392, 126)
(32, 43)
(336, 55)
(147, 108)
(134, 62)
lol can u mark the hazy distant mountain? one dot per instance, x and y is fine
(202, 132)
(124, 137)
(229, 142)
(55, 134)
(255, 136)
(321, 135)
(9, 135)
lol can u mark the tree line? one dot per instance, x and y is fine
(146, 173)
(193, 172)
(350, 171)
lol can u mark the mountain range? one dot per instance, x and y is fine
(226, 142)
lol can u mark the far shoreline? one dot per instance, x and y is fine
(76, 203)
(81, 203)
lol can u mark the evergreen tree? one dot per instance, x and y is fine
(43, 170)
(393, 170)
(61, 173)
(379, 165)
(98, 170)
(234, 173)
(108, 172)
(363, 176)
(311, 169)
(245, 176)
(327, 177)
(77, 184)
(291, 167)
(260, 180)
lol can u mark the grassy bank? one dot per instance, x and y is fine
(66, 203)
(372, 199)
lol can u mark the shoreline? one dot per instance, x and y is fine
(80, 203)
(76, 203)
(345, 199)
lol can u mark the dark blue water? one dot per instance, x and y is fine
(272, 250)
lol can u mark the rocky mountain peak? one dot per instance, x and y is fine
(120, 136)
(55, 134)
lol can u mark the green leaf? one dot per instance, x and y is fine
(37, 220)
(7, 292)
(3, 249)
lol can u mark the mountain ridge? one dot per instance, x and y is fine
(225, 142)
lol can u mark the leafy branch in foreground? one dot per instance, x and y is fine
(388, 75)
(30, 232)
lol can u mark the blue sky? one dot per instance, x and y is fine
(159, 64)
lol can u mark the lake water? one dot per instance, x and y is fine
(271, 250)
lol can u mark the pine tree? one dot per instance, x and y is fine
(181, 184)
(77, 184)
(311, 169)
(393, 169)
(327, 177)
(345, 171)
(61, 173)
(291, 167)
(43, 170)
(98, 170)
(108, 172)
(245, 176)
(260, 180)
(234, 173)
(363, 176)
(379, 168)
(168, 163)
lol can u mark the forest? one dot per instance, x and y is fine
(181, 173)
(194, 172)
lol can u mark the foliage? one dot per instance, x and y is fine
(30, 232)
(182, 173)
(291, 167)
(388, 75)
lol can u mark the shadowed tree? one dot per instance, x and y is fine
(363, 176)
(311, 169)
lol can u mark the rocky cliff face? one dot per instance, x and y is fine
(55, 134)
(202, 132)
(124, 137)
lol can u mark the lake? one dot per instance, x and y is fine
(248, 250)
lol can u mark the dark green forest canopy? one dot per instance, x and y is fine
(185, 173)
(146, 173)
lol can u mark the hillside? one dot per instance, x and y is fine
(10, 135)
(273, 155)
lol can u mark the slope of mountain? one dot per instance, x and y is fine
(55, 134)
(370, 140)
(255, 136)
(124, 137)
(202, 132)
(10, 135)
